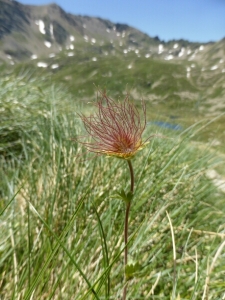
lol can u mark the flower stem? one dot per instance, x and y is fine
(126, 226)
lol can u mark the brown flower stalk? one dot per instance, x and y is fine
(116, 128)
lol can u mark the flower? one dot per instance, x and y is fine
(116, 128)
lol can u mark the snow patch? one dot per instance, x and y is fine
(214, 68)
(55, 66)
(41, 25)
(93, 41)
(33, 56)
(70, 54)
(181, 53)
(169, 57)
(51, 31)
(52, 55)
(47, 44)
(72, 38)
(175, 46)
(201, 48)
(147, 55)
(161, 49)
(42, 64)
(94, 58)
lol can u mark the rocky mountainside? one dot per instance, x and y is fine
(31, 32)
(38, 30)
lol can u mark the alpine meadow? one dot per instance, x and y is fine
(112, 181)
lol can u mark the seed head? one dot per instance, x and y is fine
(116, 128)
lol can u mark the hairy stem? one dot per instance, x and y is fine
(126, 223)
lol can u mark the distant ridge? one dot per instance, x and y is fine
(31, 32)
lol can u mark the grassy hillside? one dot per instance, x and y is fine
(61, 223)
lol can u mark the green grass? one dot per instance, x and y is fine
(62, 225)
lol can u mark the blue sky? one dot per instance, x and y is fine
(194, 20)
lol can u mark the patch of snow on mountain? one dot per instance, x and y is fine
(175, 46)
(42, 64)
(52, 55)
(72, 38)
(169, 57)
(47, 44)
(161, 49)
(33, 56)
(55, 66)
(201, 48)
(181, 53)
(41, 25)
(51, 31)
(70, 54)
(214, 68)
(188, 72)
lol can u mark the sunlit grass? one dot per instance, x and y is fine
(62, 224)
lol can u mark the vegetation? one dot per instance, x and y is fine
(62, 223)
